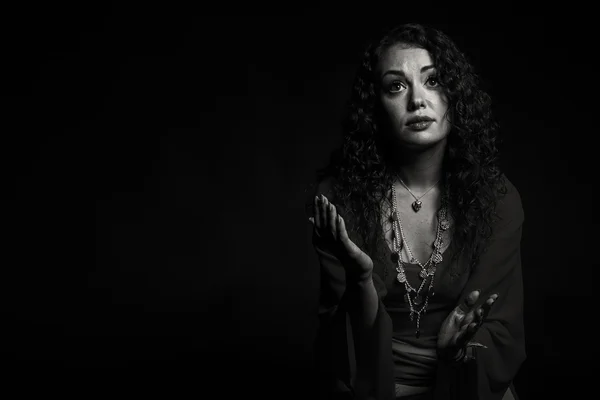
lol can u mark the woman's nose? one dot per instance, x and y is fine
(417, 99)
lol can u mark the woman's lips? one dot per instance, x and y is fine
(419, 126)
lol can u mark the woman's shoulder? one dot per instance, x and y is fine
(510, 206)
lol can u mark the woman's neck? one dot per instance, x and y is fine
(419, 169)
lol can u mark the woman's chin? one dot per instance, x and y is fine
(421, 140)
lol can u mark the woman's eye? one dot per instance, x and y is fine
(433, 81)
(396, 87)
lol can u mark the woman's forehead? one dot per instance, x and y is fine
(405, 59)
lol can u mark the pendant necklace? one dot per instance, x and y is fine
(416, 205)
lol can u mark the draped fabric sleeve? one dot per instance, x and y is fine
(335, 352)
(489, 375)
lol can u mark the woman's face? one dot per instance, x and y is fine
(412, 97)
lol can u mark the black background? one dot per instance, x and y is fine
(193, 136)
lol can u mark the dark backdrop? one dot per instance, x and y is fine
(193, 137)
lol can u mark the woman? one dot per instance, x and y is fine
(418, 234)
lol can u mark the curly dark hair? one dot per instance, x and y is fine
(472, 178)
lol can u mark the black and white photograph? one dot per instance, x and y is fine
(370, 201)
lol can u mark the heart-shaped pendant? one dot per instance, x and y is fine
(416, 205)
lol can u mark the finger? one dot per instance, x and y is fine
(473, 327)
(343, 233)
(467, 304)
(465, 334)
(328, 217)
(311, 220)
(477, 344)
(468, 318)
(479, 315)
(317, 212)
(323, 207)
(487, 306)
(333, 220)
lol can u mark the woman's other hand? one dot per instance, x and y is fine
(460, 326)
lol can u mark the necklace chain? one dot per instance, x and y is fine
(416, 205)
(428, 268)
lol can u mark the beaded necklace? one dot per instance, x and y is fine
(414, 297)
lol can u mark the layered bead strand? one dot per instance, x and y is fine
(414, 297)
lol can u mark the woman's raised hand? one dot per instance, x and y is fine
(331, 230)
